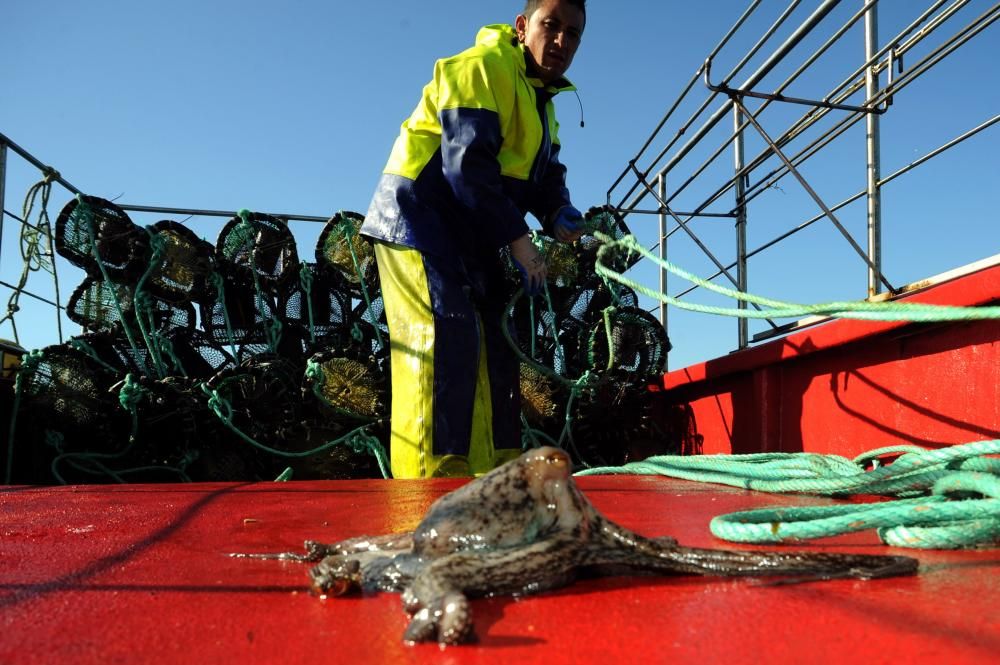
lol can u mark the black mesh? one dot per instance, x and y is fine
(350, 383)
(185, 266)
(265, 403)
(100, 306)
(121, 246)
(199, 355)
(262, 248)
(250, 315)
(639, 345)
(607, 221)
(343, 250)
(69, 394)
(327, 322)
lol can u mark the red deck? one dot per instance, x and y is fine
(139, 574)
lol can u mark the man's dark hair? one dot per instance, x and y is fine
(531, 5)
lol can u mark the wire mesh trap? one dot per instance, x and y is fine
(94, 234)
(259, 247)
(185, 265)
(636, 350)
(606, 221)
(241, 317)
(100, 306)
(318, 305)
(286, 363)
(342, 249)
(348, 384)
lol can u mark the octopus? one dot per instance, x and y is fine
(524, 528)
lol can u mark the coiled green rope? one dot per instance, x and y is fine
(935, 521)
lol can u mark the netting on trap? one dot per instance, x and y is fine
(93, 233)
(111, 349)
(241, 318)
(638, 346)
(259, 247)
(183, 271)
(196, 355)
(540, 397)
(318, 304)
(607, 221)
(343, 250)
(100, 306)
(347, 383)
(68, 394)
(261, 399)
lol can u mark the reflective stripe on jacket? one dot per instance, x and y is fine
(478, 153)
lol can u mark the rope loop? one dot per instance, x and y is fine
(952, 508)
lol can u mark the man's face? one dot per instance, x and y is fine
(551, 36)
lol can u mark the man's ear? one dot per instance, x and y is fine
(520, 25)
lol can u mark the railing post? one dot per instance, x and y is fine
(661, 186)
(3, 186)
(743, 326)
(874, 169)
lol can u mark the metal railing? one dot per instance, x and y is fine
(709, 189)
(46, 291)
(793, 41)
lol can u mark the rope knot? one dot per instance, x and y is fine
(131, 393)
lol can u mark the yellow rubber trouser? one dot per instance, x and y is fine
(406, 296)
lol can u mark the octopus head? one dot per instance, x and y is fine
(547, 472)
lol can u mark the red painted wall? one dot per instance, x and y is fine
(847, 386)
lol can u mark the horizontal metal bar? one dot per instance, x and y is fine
(772, 61)
(690, 86)
(29, 293)
(44, 168)
(196, 212)
(658, 211)
(778, 97)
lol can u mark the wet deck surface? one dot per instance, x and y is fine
(139, 574)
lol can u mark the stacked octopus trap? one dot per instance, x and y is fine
(240, 361)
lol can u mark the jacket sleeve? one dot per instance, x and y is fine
(552, 191)
(470, 143)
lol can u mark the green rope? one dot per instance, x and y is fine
(934, 522)
(273, 329)
(144, 305)
(544, 370)
(346, 227)
(167, 349)
(961, 468)
(306, 280)
(32, 254)
(129, 396)
(875, 311)
(84, 210)
(220, 290)
(358, 439)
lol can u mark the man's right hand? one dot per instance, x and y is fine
(530, 262)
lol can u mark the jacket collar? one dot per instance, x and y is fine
(503, 37)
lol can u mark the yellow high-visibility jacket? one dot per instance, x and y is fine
(478, 153)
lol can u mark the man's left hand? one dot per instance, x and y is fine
(567, 224)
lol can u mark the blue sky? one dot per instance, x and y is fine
(292, 108)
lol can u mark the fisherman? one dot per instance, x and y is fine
(477, 154)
